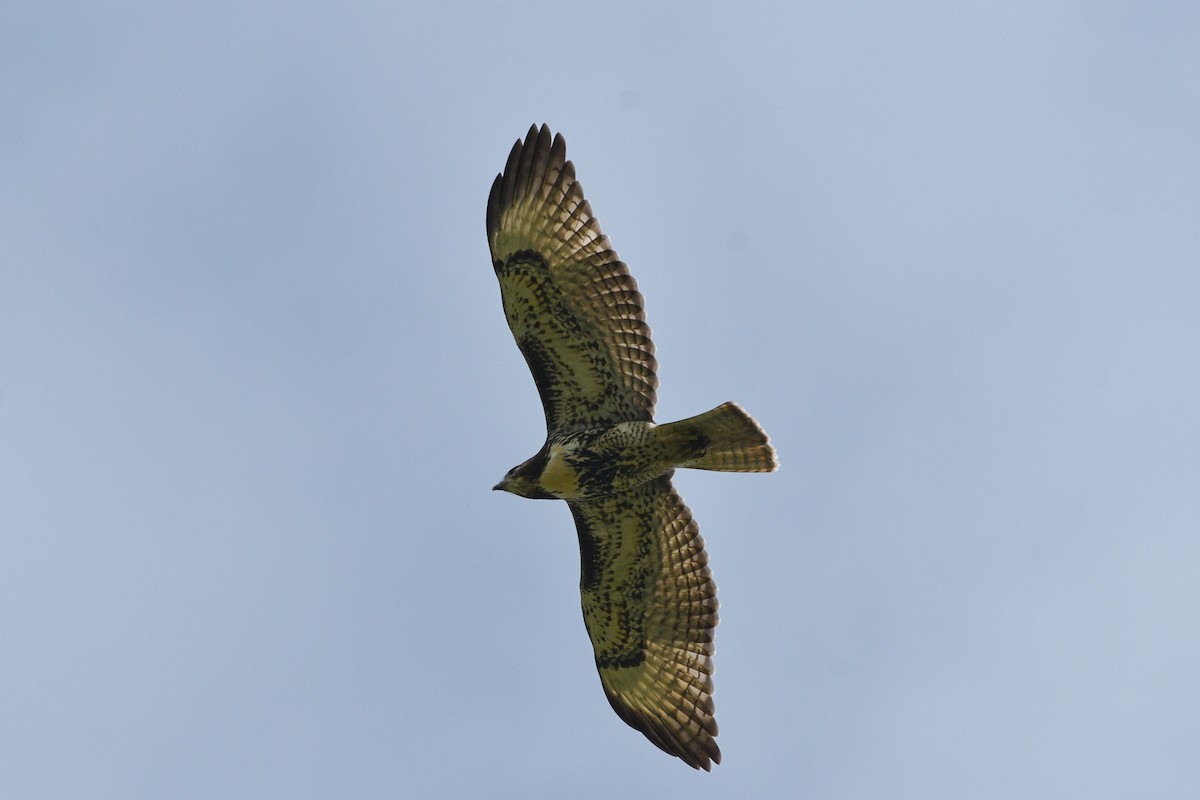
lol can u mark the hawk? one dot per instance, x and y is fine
(649, 601)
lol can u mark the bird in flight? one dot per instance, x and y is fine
(649, 601)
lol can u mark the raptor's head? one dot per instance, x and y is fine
(524, 479)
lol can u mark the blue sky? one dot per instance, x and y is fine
(256, 385)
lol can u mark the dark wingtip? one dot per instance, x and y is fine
(516, 171)
(493, 208)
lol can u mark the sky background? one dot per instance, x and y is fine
(256, 385)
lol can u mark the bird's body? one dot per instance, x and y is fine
(591, 464)
(595, 463)
(649, 602)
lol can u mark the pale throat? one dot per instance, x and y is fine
(559, 478)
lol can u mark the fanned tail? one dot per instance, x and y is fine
(725, 439)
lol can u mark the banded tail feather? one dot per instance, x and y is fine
(726, 439)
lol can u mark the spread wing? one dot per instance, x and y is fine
(571, 303)
(650, 606)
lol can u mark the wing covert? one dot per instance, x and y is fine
(650, 606)
(574, 309)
